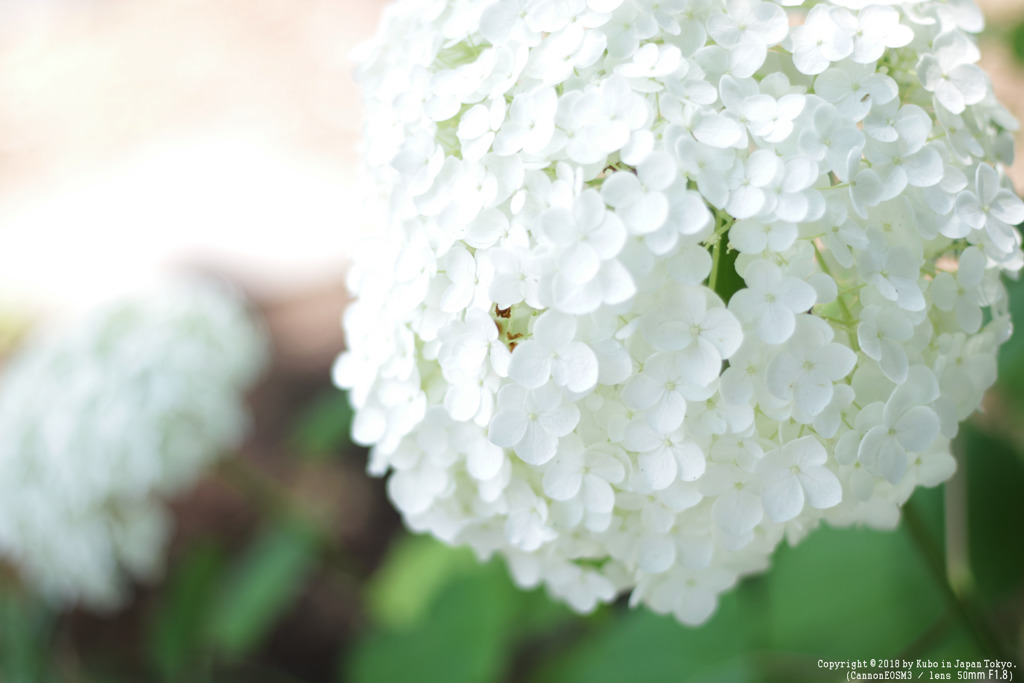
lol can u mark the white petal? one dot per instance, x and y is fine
(668, 413)
(655, 553)
(537, 446)
(806, 451)
(821, 486)
(924, 169)
(530, 364)
(562, 481)
(737, 512)
(646, 213)
(718, 131)
(462, 401)
(579, 263)
(935, 468)
(796, 293)
(775, 322)
(893, 360)
(745, 201)
(917, 428)
(883, 455)
(813, 393)
(614, 363)
(507, 428)
(722, 330)
(700, 362)
(620, 188)
(783, 499)
(408, 494)
(658, 468)
(968, 314)
(835, 361)
(598, 495)
(616, 284)
(691, 461)
(657, 171)
(968, 209)
(1008, 208)
(696, 608)
(562, 419)
(575, 367)
(601, 464)
(485, 461)
(640, 437)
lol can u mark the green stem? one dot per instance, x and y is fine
(722, 224)
(835, 321)
(843, 308)
(723, 228)
(716, 258)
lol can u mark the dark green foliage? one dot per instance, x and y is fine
(464, 622)
(260, 587)
(995, 513)
(180, 621)
(1016, 41)
(26, 629)
(323, 428)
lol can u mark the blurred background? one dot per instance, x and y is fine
(141, 138)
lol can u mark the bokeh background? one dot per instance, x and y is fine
(141, 138)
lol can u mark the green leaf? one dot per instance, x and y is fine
(415, 570)
(464, 638)
(1016, 39)
(26, 626)
(1011, 354)
(177, 625)
(729, 281)
(845, 593)
(323, 428)
(995, 508)
(642, 647)
(261, 587)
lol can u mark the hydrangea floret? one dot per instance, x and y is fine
(103, 420)
(664, 282)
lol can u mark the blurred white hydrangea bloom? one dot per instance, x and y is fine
(548, 353)
(102, 421)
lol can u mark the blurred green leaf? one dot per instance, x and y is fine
(1016, 39)
(859, 574)
(261, 586)
(929, 504)
(841, 593)
(1011, 354)
(642, 647)
(26, 627)
(464, 638)
(957, 642)
(323, 428)
(873, 590)
(450, 617)
(995, 508)
(180, 620)
(415, 570)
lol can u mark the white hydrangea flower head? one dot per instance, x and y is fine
(663, 282)
(104, 420)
